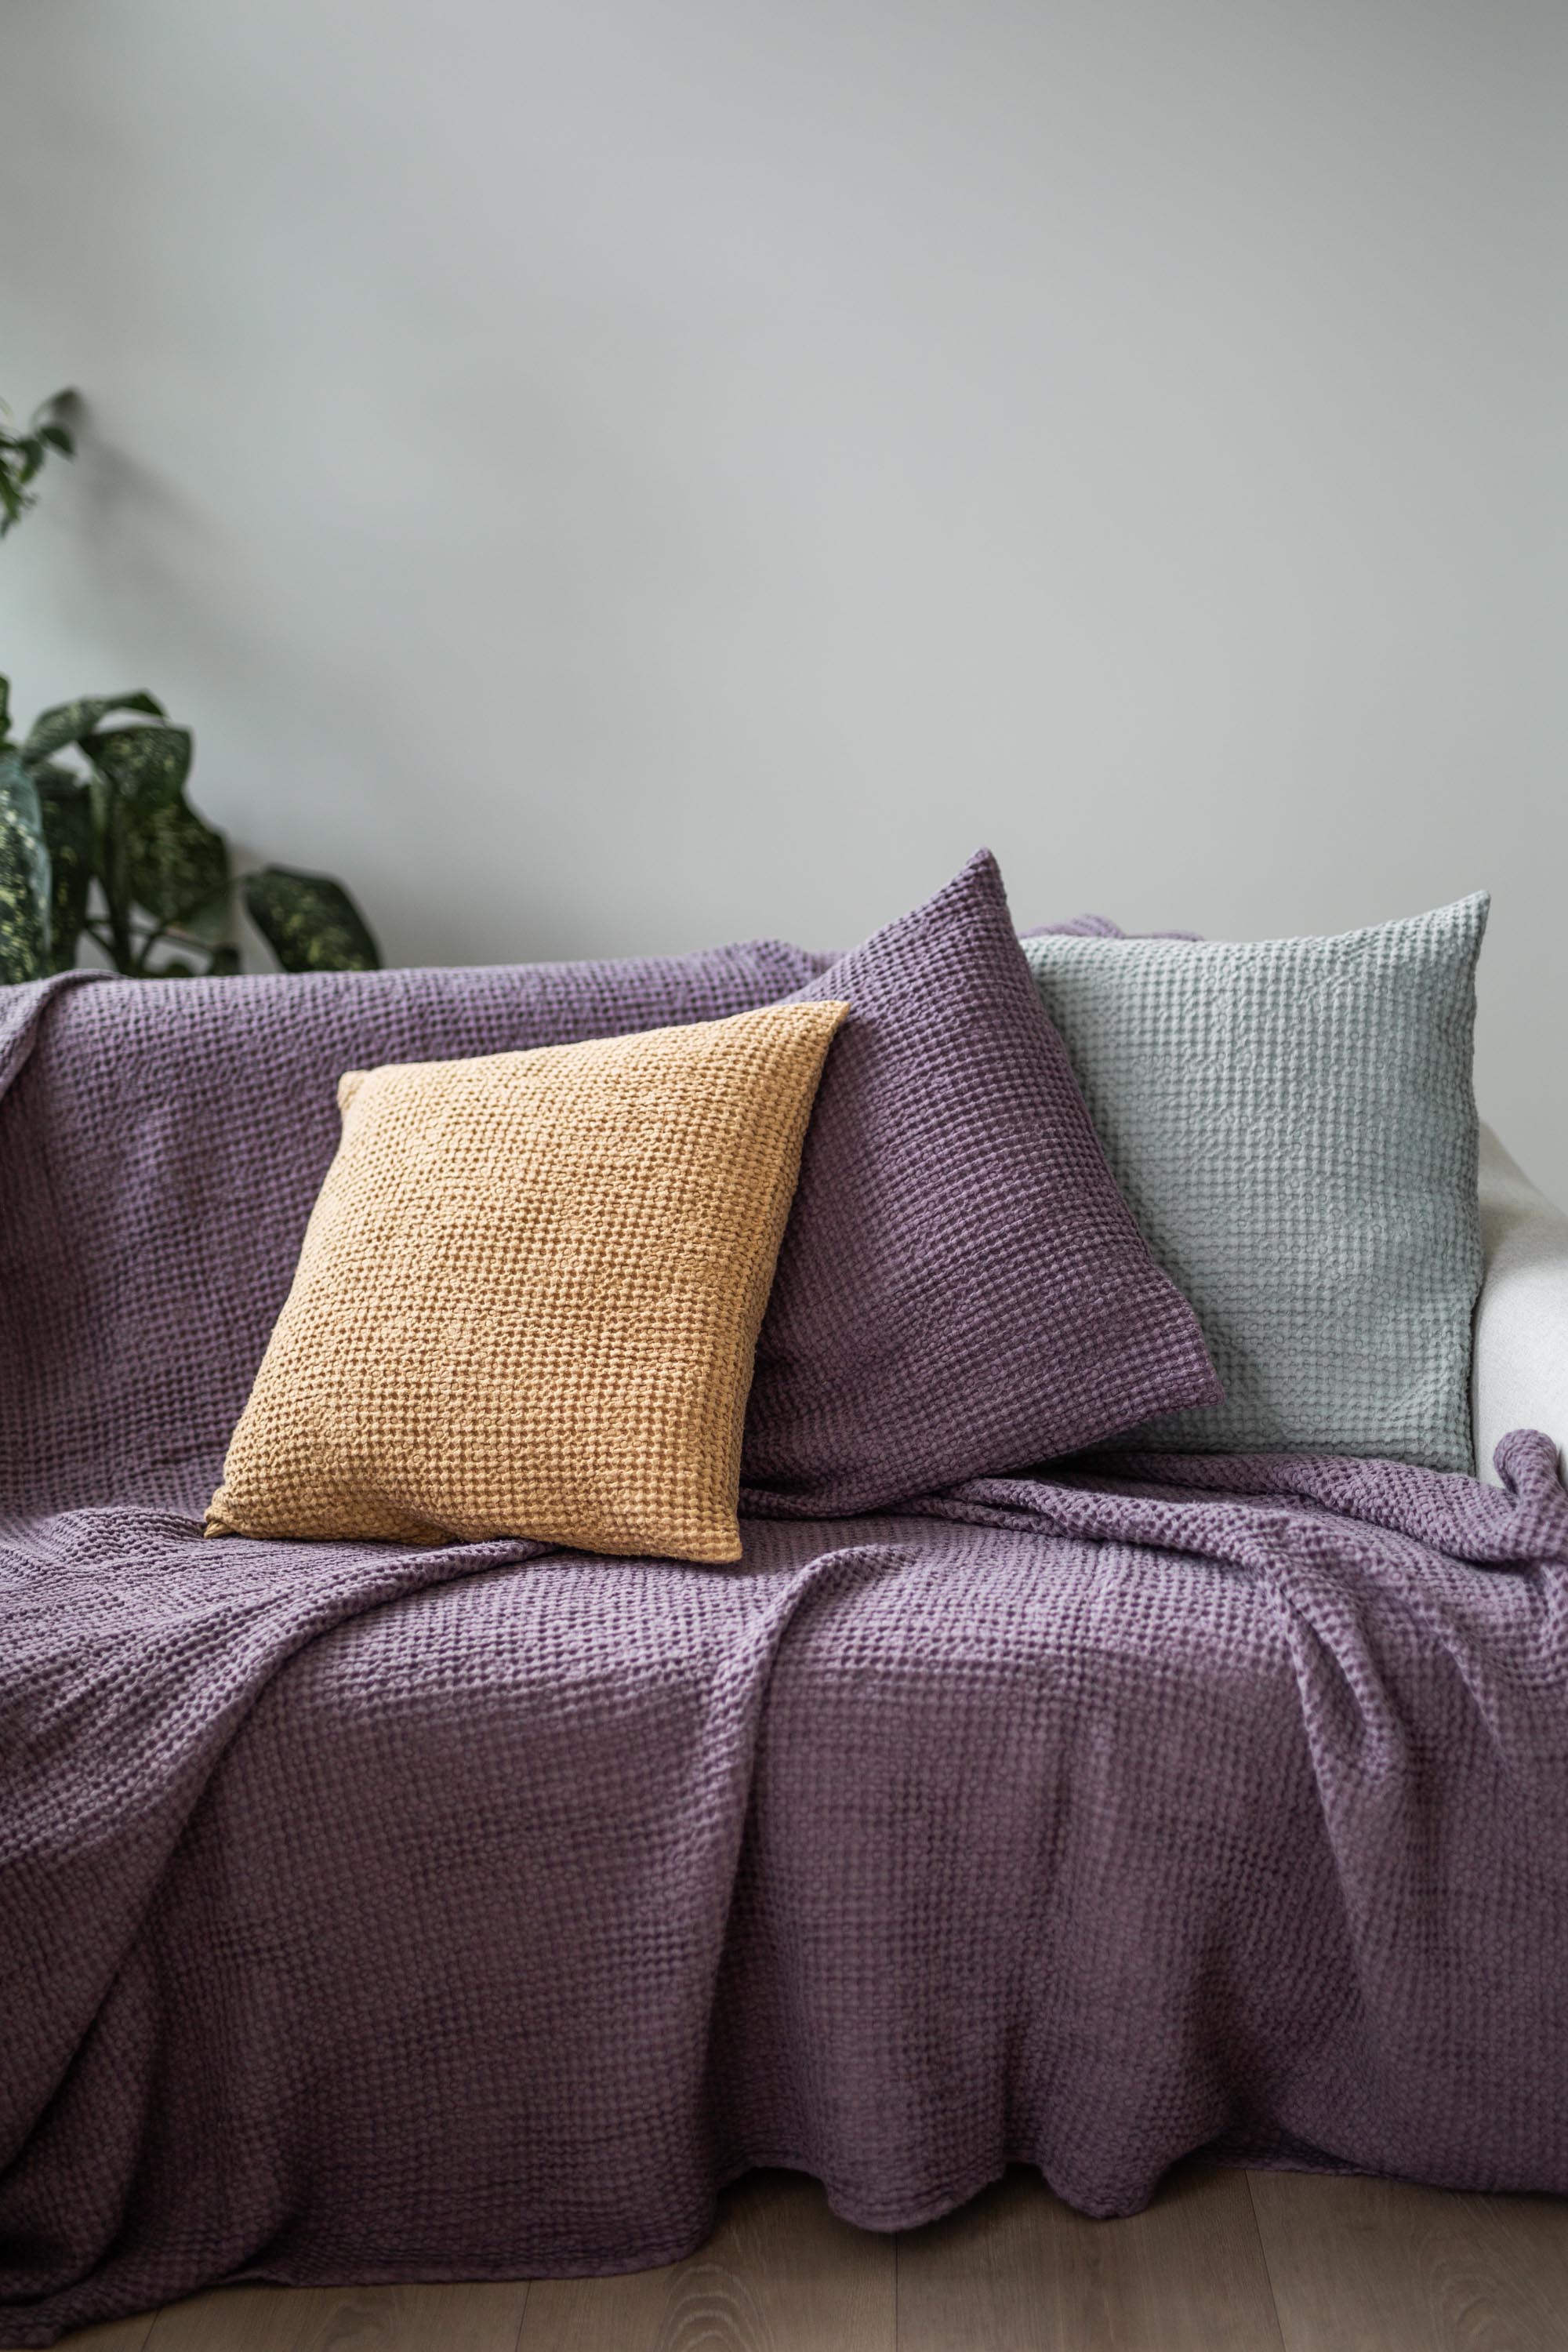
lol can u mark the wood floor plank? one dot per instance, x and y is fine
(1351, 2265)
(1018, 2270)
(111, 2336)
(463, 2317)
(1382, 2266)
(780, 2274)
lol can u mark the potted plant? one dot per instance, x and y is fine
(99, 840)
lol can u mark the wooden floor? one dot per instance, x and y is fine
(1222, 2261)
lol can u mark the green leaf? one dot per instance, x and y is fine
(176, 865)
(66, 808)
(67, 722)
(24, 876)
(310, 922)
(48, 412)
(22, 454)
(166, 858)
(148, 764)
(108, 866)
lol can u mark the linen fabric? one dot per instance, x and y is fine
(962, 1288)
(1293, 1124)
(528, 1294)
(371, 1911)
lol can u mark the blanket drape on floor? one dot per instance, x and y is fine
(477, 1911)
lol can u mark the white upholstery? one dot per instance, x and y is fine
(1519, 1370)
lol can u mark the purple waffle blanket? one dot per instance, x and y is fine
(472, 1913)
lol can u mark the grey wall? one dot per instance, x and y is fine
(611, 474)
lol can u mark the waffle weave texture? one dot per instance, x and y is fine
(373, 1911)
(962, 1288)
(529, 1295)
(1293, 1123)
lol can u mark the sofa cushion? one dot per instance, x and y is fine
(1294, 1125)
(962, 1288)
(528, 1294)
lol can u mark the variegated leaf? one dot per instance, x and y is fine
(67, 722)
(309, 921)
(66, 809)
(24, 875)
(176, 865)
(148, 764)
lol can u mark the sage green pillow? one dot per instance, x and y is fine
(1293, 1124)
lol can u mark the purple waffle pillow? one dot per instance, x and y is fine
(962, 1288)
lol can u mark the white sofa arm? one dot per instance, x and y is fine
(1518, 1366)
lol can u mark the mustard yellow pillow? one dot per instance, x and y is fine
(528, 1294)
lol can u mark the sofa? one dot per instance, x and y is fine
(478, 1909)
(1519, 1365)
